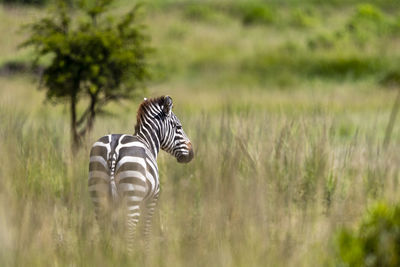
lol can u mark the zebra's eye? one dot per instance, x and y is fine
(178, 127)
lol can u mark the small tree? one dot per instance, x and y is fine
(92, 57)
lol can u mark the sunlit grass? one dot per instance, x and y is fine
(267, 186)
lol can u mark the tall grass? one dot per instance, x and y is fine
(262, 190)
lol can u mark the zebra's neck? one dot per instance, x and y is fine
(150, 138)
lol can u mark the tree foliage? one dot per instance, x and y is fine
(91, 57)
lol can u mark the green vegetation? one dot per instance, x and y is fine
(25, 2)
(287, 116)
(377, 241)
(257, 14)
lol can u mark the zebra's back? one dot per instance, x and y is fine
(125, 162)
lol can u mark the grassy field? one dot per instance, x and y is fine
(287, 112)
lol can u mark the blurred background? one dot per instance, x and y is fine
(290, 106)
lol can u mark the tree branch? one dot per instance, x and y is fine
(83, 117)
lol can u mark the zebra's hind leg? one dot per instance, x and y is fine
(132, 216)
(101, 201)
(132, 188)
(148, 222)
(102, 214)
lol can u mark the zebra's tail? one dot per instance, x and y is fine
(113, 186)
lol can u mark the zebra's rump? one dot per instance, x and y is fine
(133, 170)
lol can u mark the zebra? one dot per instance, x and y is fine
(123, 168)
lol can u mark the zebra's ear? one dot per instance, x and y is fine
(167, 105)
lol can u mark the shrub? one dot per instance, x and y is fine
(257, 14)
(367, 22)
(199, 12)
(297, 62)
(369, 12)
(322, 41)
(303, 18)
(28, 2)
(349, 66)
(391, 79)
(376, 242)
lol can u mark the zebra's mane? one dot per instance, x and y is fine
(144, 107)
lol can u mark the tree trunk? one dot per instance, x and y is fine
(74, 133)
(93, 101)
(89, 116)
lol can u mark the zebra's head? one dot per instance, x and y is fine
(157, 114)
(173, 138)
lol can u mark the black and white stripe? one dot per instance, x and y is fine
(123, 168)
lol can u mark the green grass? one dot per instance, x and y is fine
(287, 136)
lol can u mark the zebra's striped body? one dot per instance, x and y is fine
(123, 169)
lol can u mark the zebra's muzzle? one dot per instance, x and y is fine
(185, 158)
